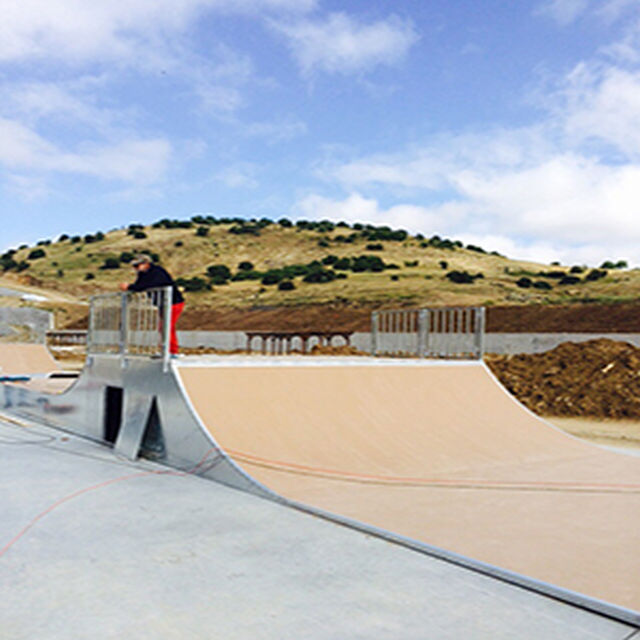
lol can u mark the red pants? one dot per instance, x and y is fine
(176, 310)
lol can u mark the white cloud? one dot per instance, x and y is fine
(603, 104)
(357, 208)
(563, 11)
(567, 186)
(134, 160)
(341, 44)
(78, 31)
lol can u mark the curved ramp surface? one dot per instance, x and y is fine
(437, 452)
(21, 359)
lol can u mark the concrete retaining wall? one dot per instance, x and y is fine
(25, 324)
(502, 343)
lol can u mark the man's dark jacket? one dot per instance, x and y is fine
(156, 276)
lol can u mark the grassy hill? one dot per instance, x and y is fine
(319, 264)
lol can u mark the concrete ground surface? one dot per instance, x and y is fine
(92, 546)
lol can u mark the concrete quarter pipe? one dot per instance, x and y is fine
(437, 452)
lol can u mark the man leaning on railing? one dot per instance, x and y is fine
(151, 276)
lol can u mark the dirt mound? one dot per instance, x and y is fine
(598, 378)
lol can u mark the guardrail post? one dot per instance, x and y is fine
(423, 332)
(167, 294)
(479, 330)
(124, 308)
(374, 333)
(92, 322)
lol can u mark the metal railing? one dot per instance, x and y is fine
(445, 332)
(130, 323)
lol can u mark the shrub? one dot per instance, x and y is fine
(568, 280)
(395, 278)
(383, 233)
(285, 223)
(342, 264)
(473, 247)
(542, 285)
(576, 269)
(202, 231)
(247, 275)
(193, 284)
(63, 237)
(165, 223)
(126, 257)
(320, 276)
(351, 238)
(323, 243)
(443, 264)
(438, 243)
(293, 270)
(556, 275)
(272, 276)
(461, 277)
(75, 239)
(411, 263)
(595, 274)
(22, 265)
(60, 273)
(329, 260)
(178, 243)
(621, 264)
(286, 285)
(367, 263)
(245, 265)
(36, 253)
(219, 272)
(524, 283)
(139, 235)
(7, 263)
(375, 247)
(89, 276)
(89, 238)
(43, 243)
(245, 229)
(99, 236)
(110, 263)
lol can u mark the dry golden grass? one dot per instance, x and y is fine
(63, 271)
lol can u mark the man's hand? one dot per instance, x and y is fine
(124, 286)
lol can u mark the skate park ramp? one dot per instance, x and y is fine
(93, 546)
(436, 452)
(25, 359)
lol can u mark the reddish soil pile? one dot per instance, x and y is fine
(598, 378)
(577, 318)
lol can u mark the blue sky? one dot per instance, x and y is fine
(513, 125)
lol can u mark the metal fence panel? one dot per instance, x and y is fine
(130, 323)
(443, 332)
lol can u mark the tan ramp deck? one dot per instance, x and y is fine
(25, 359)
(436, 452)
